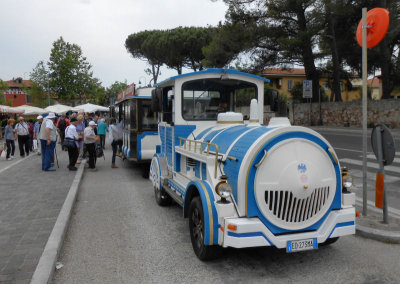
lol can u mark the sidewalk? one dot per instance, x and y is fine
(372, 226)
(30, 201)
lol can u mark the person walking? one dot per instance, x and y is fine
(115, 139)
(90, 139)
(72, 135)
(80, 127)
(48, 138)
(36, 130)
(22, 132)
(10, 138)
(101, 131)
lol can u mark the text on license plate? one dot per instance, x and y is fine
(300, 245)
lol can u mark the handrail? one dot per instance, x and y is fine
(184, 141)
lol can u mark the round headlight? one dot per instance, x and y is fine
(347, 181)
(223, 189)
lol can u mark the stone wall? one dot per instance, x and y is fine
(347, 113)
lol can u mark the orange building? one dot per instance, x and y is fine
(16, 93)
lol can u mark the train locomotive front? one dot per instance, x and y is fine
(286, 182)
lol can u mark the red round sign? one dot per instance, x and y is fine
(378, 24)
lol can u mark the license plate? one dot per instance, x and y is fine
(293, 246)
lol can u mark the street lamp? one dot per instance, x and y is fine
(144, 80)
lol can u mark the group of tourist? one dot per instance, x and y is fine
(80, 134)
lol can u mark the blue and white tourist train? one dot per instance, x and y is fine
(242, 183)
(139, 123)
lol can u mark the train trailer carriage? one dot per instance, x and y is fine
(139, 123)
(240, 183)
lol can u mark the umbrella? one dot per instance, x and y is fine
(92, 108)
(31, 110)
(7, 109)
(62, 109)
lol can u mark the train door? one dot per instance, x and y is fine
(147, 135)
(132, 139)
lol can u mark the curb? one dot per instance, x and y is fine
(379, 235)
(45, 269)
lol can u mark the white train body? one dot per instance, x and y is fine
(286, 181)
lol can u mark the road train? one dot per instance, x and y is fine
(242, 183)
(139, 123)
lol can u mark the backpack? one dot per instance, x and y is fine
(62, 125)
(30, 126)
(99, 151)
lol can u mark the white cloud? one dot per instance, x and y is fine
(100, 27)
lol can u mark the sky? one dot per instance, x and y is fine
(100, 27)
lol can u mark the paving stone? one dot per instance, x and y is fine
(29, 206)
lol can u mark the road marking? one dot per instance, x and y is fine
(372, 176)
(350, 150)
(371, 156)
(370, 165)
(13, 164)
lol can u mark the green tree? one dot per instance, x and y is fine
(383, 57)
(277, 33)
(176, 48)
(3, 87)
(41, 85)
(228, 41)
(69, 72)
(112, 91)
(144, 46)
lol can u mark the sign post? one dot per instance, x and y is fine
(307, 93)
(364, 108)
(377, 21)
(383, 146)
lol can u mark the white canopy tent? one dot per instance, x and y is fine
(91, 108)
(7, 109)
(31, 110)
(62, 109)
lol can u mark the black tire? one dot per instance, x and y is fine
(146, 171)
(196, 227)
(162, 198)
(329, 242)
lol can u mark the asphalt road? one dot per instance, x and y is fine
(348, 146)
(118, 234)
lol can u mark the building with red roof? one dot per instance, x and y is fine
(16, 93)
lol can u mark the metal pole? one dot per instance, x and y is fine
(381, 170)
(319, 100)
(48, 92)
(310, 111)
(364, 107)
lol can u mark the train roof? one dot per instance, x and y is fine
(141, 93)
(210, 71)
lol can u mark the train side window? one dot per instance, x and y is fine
(147, 116)
(167, 105)
(133, 116)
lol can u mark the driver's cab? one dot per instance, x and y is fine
(190, 104)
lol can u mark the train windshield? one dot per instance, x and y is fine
(204, 99)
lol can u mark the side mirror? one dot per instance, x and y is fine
(156, 100)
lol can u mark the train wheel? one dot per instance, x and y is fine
(329, 242)
(196, 227)
(162, 198)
